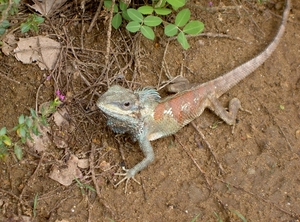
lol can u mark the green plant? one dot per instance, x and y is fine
(32, 23)
(218, 217)
(5, 142)
(35, 201)
(27, 125)
(146, 17)
(84, 186)
(7, 8)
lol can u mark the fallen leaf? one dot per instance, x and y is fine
(47, 7)
(8, 44)
(66, 174)
(39, 143)
(104, 166)
(61, 138)
(40, 49)
(60, 117)
(83, 163)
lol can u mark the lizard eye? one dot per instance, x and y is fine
(126, 105)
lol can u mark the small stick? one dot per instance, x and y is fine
(10, 79)
(109, 37)
(16, 197)
(92, 167)
(208, 146)
(213, 35)
(95, 16)
(194, 161)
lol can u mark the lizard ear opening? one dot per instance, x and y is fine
(147, 94)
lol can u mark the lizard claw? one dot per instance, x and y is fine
(126, 178)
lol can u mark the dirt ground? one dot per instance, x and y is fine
(251, 175)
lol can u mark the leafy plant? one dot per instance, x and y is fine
(7, 8)
(27, 125)
(146, 17)
(32, 23)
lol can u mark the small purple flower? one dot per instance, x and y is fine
(48, 78)
(210, 4)
(60, 95)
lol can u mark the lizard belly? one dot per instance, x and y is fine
(162, 128)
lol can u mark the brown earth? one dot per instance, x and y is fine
(255, 172)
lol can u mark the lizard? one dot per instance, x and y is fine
(146, 117)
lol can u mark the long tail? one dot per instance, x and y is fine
(230, 79)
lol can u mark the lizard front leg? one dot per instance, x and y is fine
(147, 149)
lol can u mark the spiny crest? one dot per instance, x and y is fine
(147, 94)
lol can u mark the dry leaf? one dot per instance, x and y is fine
(60, 117)
(47, 7)
(61, 138)
(104, 166)
(8, 44)
(83, 163)
(66, 174)
(42, 50)
(39, 143)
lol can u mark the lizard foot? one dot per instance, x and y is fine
(126, 178)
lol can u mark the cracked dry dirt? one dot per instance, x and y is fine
(258, 172)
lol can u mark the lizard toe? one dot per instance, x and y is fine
(127, 177)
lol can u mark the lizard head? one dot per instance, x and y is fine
(119, 103)
(125, 107)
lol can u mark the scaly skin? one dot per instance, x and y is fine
(145, 117)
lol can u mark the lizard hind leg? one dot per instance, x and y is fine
(227, 116)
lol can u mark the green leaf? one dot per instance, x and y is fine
(116, 21)
(133, 26)
(33, 113)
(18, 152)
(171, 30)
(182, 40)
(108, 4)
(152, 20)
(162, 11)
(3, 131)
(193, 27)
(147, 32)
(160, 3)
(21, 119)
(39, 19)
(5, 24)
(25, 27)
(146, 9)
(123, 6)
(28, 122)
(35, 130)
(34, 28)
(2, 31)
(22, 132)
(176, 3)
(135, 15)
(90, 187)
(6, 140)
(125, 15)
(182, 17)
